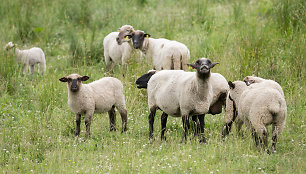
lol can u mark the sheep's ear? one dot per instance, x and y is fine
(213, 64)
(63, 79)
(231, 85)
(193, 66)
(147, 35)
(84, 78)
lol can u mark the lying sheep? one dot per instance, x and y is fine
(117, 53)
(29, 57)
(181, 94)
(219, 86)
(166, 54)
(259, 106)
(252, 79)
(96, 97)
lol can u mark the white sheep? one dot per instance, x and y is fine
(29, 57)
(219, 86)
(166, 54)
(181, 94)
(258, 106)
(100, 96)
(252, 80)
(117, 53)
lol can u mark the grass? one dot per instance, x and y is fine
(265, 38)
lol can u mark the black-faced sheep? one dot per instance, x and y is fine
(166, 54)
(100, 96)
(29, 57)
(258, 106)
(181, 94)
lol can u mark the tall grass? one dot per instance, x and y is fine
(265, 38)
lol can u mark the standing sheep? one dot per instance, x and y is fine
(259, 106)
(96, 97)
(117, 53)
(29, 57)
(181, 94)
(166, 54)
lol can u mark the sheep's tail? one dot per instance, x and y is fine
(142, 82)
(42, 64)
(185, 59)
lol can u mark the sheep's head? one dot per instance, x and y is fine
(203, 66)
(137, 38)
(123, 32)
(252, 79)
(74, 81)
(142, 82)
(236, 89)
(9, 46)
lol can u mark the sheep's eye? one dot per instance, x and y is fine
(197, 62)
(69, 79)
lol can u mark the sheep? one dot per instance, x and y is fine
(252, 79)
(181, 94)
(166, 54)
(117, 53)
(259, 106)
(29, 57)
(100, 96)
(219, 86)
(231, 111)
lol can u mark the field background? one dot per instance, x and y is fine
(265, 38)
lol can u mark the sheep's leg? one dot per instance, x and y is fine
(202, 126)
(256, 139)
(25, 68)
(151, 122)
(164, 117)
(196, 125)
(78, 123)
(185, 119)
(107, 60)
(32, 68)
(274, 138)
(87, 124)
(123, 114)
(112, 119)
(228, 126)
(239, 124)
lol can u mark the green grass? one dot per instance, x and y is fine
(265, 38)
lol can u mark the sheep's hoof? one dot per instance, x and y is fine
(163, 138)
(203, 141)
(112, 129)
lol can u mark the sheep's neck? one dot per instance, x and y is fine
(146, 47)
(202, 85)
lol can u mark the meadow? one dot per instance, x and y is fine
(265, 38)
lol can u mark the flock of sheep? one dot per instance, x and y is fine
(254, 101)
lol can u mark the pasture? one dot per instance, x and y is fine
(265, 38)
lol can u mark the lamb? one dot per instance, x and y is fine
(117, 53)
(252, 79)
(166, 54)
(181, 94)
(29, 57)
(100, 96)
(259, 106)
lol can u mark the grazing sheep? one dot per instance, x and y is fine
(259, 106)
(252, 79)
(96, 97)
(181, 94)
(166, 54)
(29, 57)
(117, 53)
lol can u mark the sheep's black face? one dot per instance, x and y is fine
(74, 81)
(142, 82)
(138, 38)
(203, 66)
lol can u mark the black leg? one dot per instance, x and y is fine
(202, 126)
(78, 123)
(112, 119)
(196, 125)
(185, 120)
(164, 117)
(151, 122)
